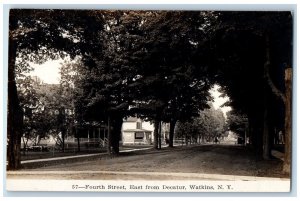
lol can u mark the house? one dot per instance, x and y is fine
(137, 131)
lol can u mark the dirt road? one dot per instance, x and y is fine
(205, 159)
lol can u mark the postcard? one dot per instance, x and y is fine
(149, 100)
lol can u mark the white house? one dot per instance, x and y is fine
(137, 131)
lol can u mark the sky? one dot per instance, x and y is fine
(219, 101)
(48, 72)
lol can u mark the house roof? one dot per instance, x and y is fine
(131, 119)
(136, 130)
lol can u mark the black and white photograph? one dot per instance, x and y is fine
(149, 100)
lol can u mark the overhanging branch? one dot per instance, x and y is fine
(271, 84)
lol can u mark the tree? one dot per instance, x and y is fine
(69, 78)
(237, 123)
(50, 118)
(185, 130)
(211, 124)
(39, 35)
(28, 102)
(170, 85)
(207, 126)
(109, 74)
(242, 48)
(41, 103)
(128, 70)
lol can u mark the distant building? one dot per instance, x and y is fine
(136, 131)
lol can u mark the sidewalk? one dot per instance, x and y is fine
(79, 156)
(275, 153)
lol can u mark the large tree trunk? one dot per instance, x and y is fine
(117, 125)
(266, 137)
(286, 99)
(78, 144)
(287, 121)
(186, 140)
(266, 132)
(159, 135)
(171, 135)
(14, 114)
(257, 137)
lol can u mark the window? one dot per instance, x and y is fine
(139, 135)
(138, 125)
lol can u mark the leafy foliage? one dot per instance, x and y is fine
(210, 124)
(237, 122)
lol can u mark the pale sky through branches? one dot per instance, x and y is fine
(219, 101)
(48, 72)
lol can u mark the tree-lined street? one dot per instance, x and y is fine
(157, 66)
